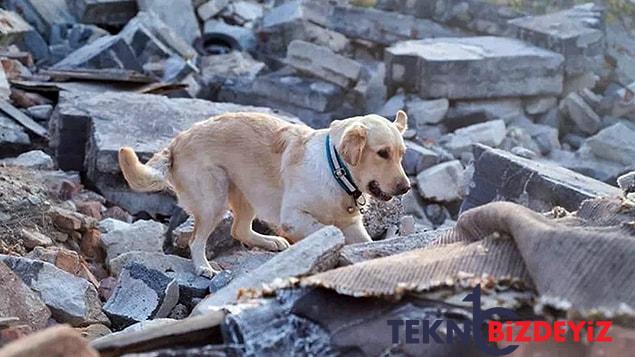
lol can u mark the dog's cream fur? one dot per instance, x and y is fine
(258, 165)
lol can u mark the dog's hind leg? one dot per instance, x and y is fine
(205, 198)
(242, 230)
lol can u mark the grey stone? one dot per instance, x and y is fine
(442, 182)
(580, 113)
(383, 27)
(111, 224)
(103, 12)
(623, 102)
(477, 16)
(71, 299)
(146, 236)
(539, 105)
(42, 14)
(35, 159)
(393, 104)
(370, 88)
(5, 89)
(417, 158)
(473, 67)
(12, 27)
(586, 163)
(627, 182)
(242, 36)
(12, 135)
(180, 269)
(426, 112)
(40, 112)
(614, 143)
(106, 52)
(298, 20)
(577, 34)
(141, 294)
(245, 11)
(499, 175)
(360, 252)
(211, 8)
(317, 252)
(179, 15)
(490, 133)
(545, 137)
(323, 63)
(87, 132)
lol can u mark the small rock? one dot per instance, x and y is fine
(539, 105)
(62, 258)
(417, 158)
(141, 294)
(71, 299)
(490, 133)
(179, 312)
(211, 8)
(427, 112)
(111, 224)
(627, 182)
(179, 15)
(393, 105)
(32, 239)
(147, 236)
(90, 208)
(95, 331)
(18, 300)
(323, 63)
(106, 288)
(35, 159)
(118, 213)
(580, 113)
(40, 112)
(614, 143)
(442, 182)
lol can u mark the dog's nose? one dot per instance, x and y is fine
(402, 187)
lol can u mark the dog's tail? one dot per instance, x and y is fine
(150, 177)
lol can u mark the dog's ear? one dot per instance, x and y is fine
(353, 142)
(401, 121)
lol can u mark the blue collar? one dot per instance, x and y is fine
(340, 172)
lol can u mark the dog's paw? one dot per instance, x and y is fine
(206, 271)
(277, 243)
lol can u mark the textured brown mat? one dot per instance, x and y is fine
(585, 260)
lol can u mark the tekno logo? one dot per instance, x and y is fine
(424, 331)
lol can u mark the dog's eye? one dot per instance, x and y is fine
(384, 154)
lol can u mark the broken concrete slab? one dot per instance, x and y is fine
(490, 133)
(222, 69)
(442, 182)
(614, 143)
(89, 130)
(109, 52)
(12, 27)
(360, 252)
(141, 294)
(323, 63)
(71, 299)
(145, 236)
(465, 113)
(179, 15)
(18, 300)
(103, 12)
(499, 175)
(426, 112)
(317, 252)
(383, 27)
(35, 159)
(473, 67)
(576, 33)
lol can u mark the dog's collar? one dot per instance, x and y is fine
(341, 174)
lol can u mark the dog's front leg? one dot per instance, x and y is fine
(356, 232)
(297, 224)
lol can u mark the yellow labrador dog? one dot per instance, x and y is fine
(290, 175)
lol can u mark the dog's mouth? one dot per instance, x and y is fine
(373, 188)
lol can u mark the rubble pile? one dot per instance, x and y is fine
(503, 105)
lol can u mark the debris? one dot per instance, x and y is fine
(34, 239)
(417, 158)
(317, 252)
(614, 143)
(237, 37)
(442, 182)
(490, 133)
(211, 8)
(20, 301)
(40, 112)
(12, 27)
(141, 294)
(146, 236)
(35, 159)
(24, 120)
(448, 68)
(71, 299)
(323, 63)
(109, 52)
(627, 182)
(104, 12)
(539, 105)
(178, 15)
(426, 112)
(580, 113)
(500, 175)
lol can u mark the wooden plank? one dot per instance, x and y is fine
(21, 118)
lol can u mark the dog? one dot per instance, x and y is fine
(292, 176)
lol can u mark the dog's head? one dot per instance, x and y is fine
(373, 147)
